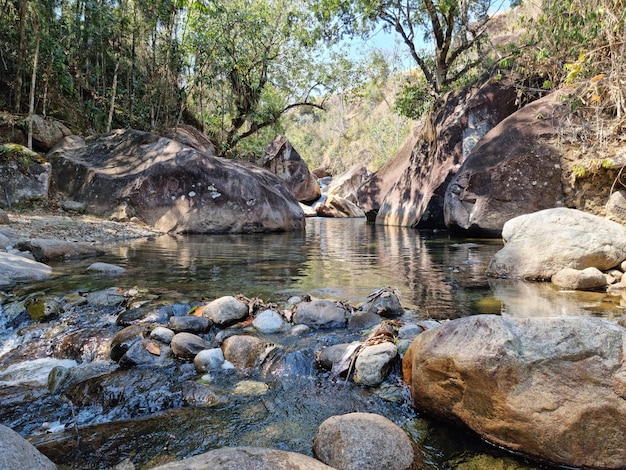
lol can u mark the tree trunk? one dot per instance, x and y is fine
(33, 81)
(20, 57)
(113, 92)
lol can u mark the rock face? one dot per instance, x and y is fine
(363, 441)
(285, 162)
(170, 186)
(417, 197)
(515, 169)
(17, 452)
(24, 177)
(229, 458)
(539, 245)
(553, 388)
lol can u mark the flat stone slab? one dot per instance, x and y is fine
(14, 267)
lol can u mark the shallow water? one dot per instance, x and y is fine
(281, 405)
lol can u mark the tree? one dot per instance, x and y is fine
(454, 27)
(249, 63)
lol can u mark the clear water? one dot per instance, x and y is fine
(344, 259)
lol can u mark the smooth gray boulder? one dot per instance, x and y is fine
(363, 441)
(553, 388)
(14, 267)
(17, 453)
(246, 458)
(540, 244)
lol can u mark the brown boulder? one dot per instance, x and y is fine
(514, 170)
(170, 186)
(285, 162)
(417, 197)
(549, 387)
(347, 184)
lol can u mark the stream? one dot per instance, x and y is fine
(104, 415)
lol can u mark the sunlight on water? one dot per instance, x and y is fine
(33, 372)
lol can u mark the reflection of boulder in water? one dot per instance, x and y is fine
(541, 299)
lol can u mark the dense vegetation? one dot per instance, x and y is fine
(243, 70)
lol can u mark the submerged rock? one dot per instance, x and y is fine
(229, 458)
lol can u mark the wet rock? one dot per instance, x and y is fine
(123, 340)
(549, 387)
(363, 441)
(577, 279)
(331, 355)
(189, 324)
(269, 321)
(320, 313)
(209, 359)
(111, 297)
(225, 311)
(242, 350)
(14, 267)
(384, 302)
(363, 319)
(187, 345)
(146, 353)
(44, 249)
(16, 452)
(195, 393)
(373, 363)
(539, 245)
(409, 331)
(60, 378)
(162, 334)
(106, 268)
(246, 458)
(42, 308)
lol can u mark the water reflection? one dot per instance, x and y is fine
(343, 259)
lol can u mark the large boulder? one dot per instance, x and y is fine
(47, 132)
(372, 192)
(285, 162)
(540, 244)
(417, 197)
(24, 177)
(246, 458)
(15, 267)
(553, 388)
(348, 183)
(17, 452)
(515, 169)
(337, 206)
(170, 186)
